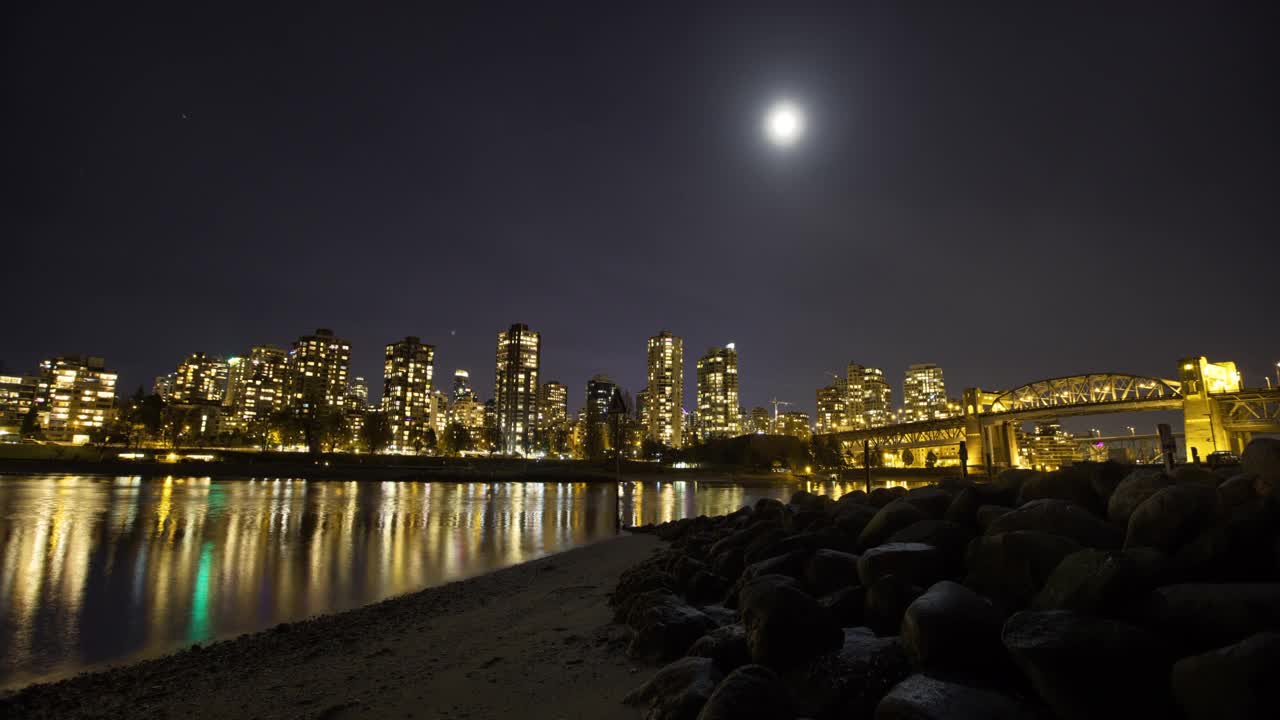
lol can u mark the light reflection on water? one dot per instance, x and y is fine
(96, 570)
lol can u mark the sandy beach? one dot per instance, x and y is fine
(533, 639)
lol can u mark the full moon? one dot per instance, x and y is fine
(784, 123)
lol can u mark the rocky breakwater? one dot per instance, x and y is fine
(1088, 592)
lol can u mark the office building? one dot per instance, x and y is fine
(163, 386)
(924, 396)
(516, 389)
(76, 397)
(462, 386)
(664, 394)
(358, 395)
(718, 392)
(759, 421)
(553, 409)
(406, 392)
(867, 398)
(318, 368)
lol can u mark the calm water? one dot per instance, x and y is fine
(97, 570)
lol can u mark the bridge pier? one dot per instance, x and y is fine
(1202, 416)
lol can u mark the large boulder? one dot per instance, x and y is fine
(706, 587)
(803, 500)
(988, 514)
(1012, 567)
(964, 507)
(1097, 582)
(924, 697)
(1239, 547)
(1132, 491)
(1196, 475)
(847, 682)
(665, 630)
(951, 539)
(950, 627)
(916, 563)
(933, 500)
(1203, 616)
(886, 601)
(752, 692)
(1171, 517)
(678, 691)
(852, 518)
(890, 519)
(726, 646)
(1090, 667)
(1235, 492)
(784, 625)
(845, 605)
(764, 545)
(1011, 481)
(1261, 458)
(1231, 683)
(791, 565)
(1074, 484)
(636, 581)
(1058, 517)
(830, 570)
(882, 496)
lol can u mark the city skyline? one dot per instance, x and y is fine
(948, 162)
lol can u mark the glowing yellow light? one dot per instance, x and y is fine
(784, 123)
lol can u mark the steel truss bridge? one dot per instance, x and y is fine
(1213, 420)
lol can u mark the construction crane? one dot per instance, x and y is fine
(776, 402)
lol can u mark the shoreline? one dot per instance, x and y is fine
(534, 637)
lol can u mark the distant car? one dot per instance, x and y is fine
(1222, 457)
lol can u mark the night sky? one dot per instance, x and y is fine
(1014, 193)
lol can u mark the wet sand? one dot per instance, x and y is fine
(532, 641)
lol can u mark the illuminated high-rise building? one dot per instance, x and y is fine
(358, 395)
(867, 397)
(318, 368)
(553, 407)
(200, 378)
(759, 420)
(664, 394)
(163, 386)
(718, 392)
(595, 412)
(258, 388)
(462, 386)
(877, 405)
(924, 396)
(17, 398)
(831, 409)
(76, 396)
(438, 413)
(406, 392)
(795, 424)
(516, 389)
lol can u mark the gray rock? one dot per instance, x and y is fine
(1132, 491)
(1240, 547)
(886, 601)
(1196, 475)
(1261, 458)
(678, 691)
(988, 514)
(1012, 480)
(1232, 683)
(933, 500)
(1095, 582)
(830, 570)
(1171, 517)
(666, 630)
(784, 625)
(890, 519)
(922, 697)
(964, 507)
(1058, 517)
(884, 495)
(791, 565)
(848, 682)
(916, 563)
(1236, 492)
(726, 646)
(752, 692)
(845, 605)
(1074, 484)
(950, 627)
(851, 519)
(1089, 667)
(1203, 616)
(1011, 568)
